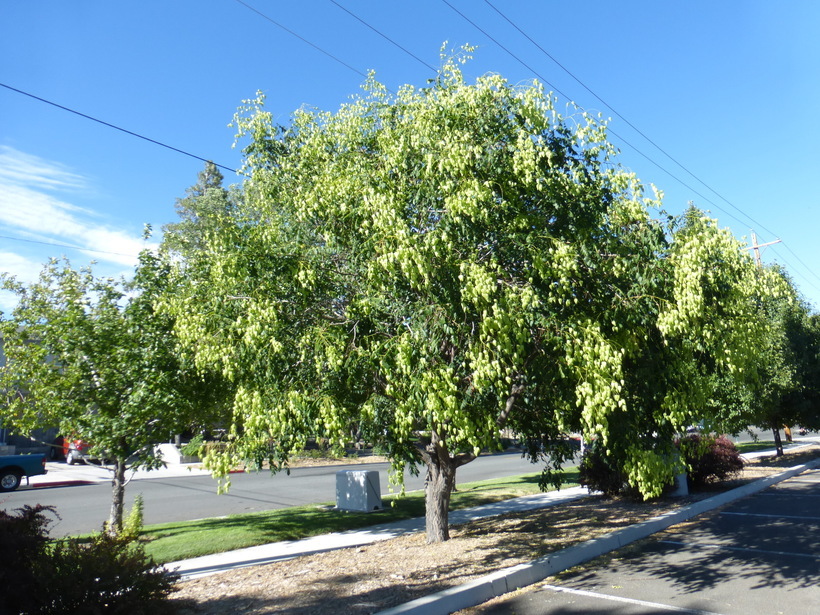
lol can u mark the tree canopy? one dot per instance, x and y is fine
(436, 265)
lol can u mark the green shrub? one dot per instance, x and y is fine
(710, 459)
(598, 473)
(106, 575)
(23, 542)
(132, 526)
(110, 574)
(194, 447)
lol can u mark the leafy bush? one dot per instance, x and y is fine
(194, 447)
(110, 574)
(709, 458)
(23, 541)
(132, 526)
(598, 473)
(107, 575)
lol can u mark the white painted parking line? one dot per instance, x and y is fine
(799, 518)
(789, 495)
(654, 605)
(697, 545)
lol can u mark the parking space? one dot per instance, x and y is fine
(757, 556)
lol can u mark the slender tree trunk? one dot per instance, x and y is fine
(778, 444)
(117, 497)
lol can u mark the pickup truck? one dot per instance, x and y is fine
(14, 467)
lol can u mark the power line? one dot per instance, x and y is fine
(109, 125)
(63, 245)
(384, 36)
(641, 133)
(301, 38)
(609, 130)
(630, 124)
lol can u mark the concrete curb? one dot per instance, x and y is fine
(510, 579)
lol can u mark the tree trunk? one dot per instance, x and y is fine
(441, 479)
(117, 498)
(778, 444)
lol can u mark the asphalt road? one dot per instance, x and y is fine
(757, 556)
(84, 508)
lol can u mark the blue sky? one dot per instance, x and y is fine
(729, 90)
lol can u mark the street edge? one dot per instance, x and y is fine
(510, 579)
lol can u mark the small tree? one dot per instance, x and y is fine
(789, 385)
(91, 356)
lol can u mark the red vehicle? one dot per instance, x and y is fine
(74, 451)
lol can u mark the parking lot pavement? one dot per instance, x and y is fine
(757, 556)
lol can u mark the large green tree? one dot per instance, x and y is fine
(434, 266)
(91, 356)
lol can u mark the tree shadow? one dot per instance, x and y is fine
(763, 539)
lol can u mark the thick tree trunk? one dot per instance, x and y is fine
(441, 479)
(117, 498)
(778, 444)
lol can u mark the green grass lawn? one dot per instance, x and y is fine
(760, 445)
(170, 542)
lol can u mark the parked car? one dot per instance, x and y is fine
(14, 467)
(79, 451)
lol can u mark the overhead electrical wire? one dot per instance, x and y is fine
(63, 245)
(382, 34)
(301, 38)
(609, 130)
(625, 120)
(115, 127)
(640, 132)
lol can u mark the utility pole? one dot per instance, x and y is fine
(756, 247)
(778, 443)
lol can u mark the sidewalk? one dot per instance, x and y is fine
(266, 554)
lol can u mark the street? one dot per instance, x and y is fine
(84, 508)
(756, 556)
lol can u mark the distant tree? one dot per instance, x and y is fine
(789, 391)
(95, 359)
(205, 206)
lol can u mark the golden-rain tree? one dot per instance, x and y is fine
(431, 267)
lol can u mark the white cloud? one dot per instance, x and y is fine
(17, 167)
(35, 205)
